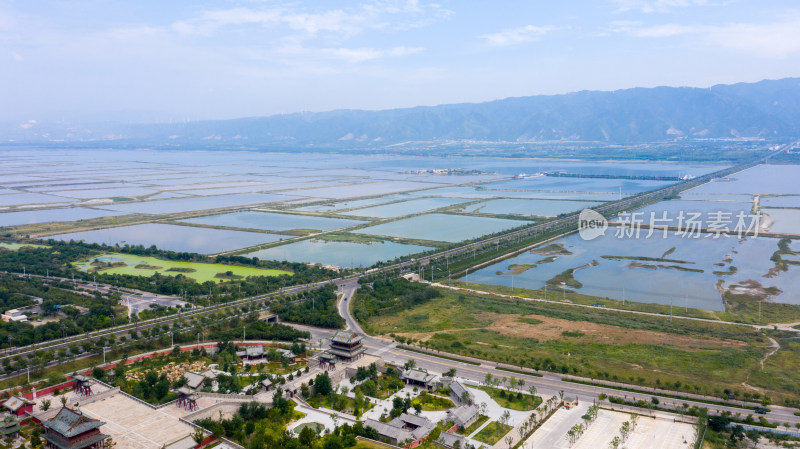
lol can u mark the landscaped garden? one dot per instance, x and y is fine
(376, 385)
(320, 393)
(512, 400)
(432, 402)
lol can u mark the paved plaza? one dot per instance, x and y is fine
(134, 425)
(650, 433)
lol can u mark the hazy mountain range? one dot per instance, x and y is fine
(766, 109)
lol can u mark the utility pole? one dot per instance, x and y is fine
(623, 296)
(670, 311)
(545, 292)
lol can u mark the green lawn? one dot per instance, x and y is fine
(147, 266)
(493, 433)
(368, 445)
(16, 246)
(468, 431)
(433, 403)
(278, 368)
(508, 399)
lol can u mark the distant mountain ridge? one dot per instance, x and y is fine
(766, 109)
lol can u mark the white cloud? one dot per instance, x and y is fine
(778, 40)
(343, 22)
(521, 35)
(769, 40)
(17, 57)
(665, 30)
(366, 54)
(657, 6)
(134, 34)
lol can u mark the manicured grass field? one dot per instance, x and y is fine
(16, 246)
(116, 263)
(493, 433)
(508, 399)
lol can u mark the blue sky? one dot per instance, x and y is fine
(171, 60)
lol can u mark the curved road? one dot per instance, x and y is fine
(548, 385)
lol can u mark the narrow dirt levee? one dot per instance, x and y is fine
(775, 348)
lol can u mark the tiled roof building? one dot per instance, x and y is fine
(347, 346)
(71, 429)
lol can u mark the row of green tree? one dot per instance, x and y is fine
(392, 296)
(55, 297)
(315, 307)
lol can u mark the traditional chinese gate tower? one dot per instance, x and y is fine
(71, 429)
(187, 399)
(83, 385)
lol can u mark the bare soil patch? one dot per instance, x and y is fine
(553, 329)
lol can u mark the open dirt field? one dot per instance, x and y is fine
(552, 329)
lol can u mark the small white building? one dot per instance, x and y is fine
(14, 315)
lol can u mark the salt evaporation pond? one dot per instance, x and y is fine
(404, 207)
(340, 254)
(542, 208)
(269, 221)
(53, 215)
(173, 237)
(442, 227)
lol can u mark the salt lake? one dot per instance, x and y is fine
(651, 281)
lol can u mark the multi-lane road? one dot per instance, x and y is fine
(548, 384)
